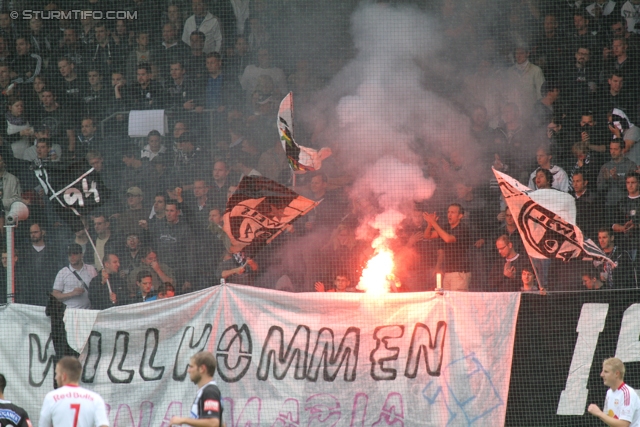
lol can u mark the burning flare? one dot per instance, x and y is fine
(377, 277)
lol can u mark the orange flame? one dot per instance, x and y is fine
(377, 277)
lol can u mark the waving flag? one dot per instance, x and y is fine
(259, 210)
(546, 222)
(301, 159)
(73, 189)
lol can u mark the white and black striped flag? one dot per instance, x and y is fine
(546, 222)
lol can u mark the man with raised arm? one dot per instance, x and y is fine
(71, 405)
(622, 404)
(206, 410)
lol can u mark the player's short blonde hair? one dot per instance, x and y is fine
(616, 365)
(70, 366)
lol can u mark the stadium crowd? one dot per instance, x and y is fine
(551, 96)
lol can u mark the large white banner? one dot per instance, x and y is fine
(313, 359)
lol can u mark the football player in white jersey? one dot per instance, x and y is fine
(622, 404)
(206, 410)
(71, 405)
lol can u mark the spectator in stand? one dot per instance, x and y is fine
(341, 283)
(591, 279)
(560, 178)
(206, 23)
(154, 146)
(197, 206)
(95, 95)
(142, 54)
(195, 61)
(220, 185)
(626, 66)
(579, 81)
(43, 150)
(543, 109)
(453, 255)
(173, 239)
(88, 139)
(513, 142)
(104, 52)
(529, 280)
(621, 128)
(166, 290)
(591, 132)
(509, 229)
(614, 95)
(505, 276)
(145, 291)
(19, 130)
(328, 214)
(38, 266)
(71, 49)
(182, 92)
(191, 161)
(237, 59)
(217, 88)
(587, 206)
(99, 295)
(585, 164)
(584, 35)
(174, 16)
(160, 273)
(526, 78)
(230, 271)
(71, 285)
(601, 11)
(72, 85)
(618, 27)
(106, 242)
(611, 179)
(130, 254)
(26, 65)
(147, 94)
(627, 219)
(249, 79)
(57, 119)
(547, 50)
(171, 51)
(621, 274)
(129, 220)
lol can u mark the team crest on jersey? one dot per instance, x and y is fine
(211, 405)
(615, 402)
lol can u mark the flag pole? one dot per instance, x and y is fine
(95, 251)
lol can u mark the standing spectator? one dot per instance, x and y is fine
(171, 50)
(220, 185)
(105, 53)
(627, 222)
(38, 265)
(26, 65)
(587, 207)
(99, 294)
(195, 60)
(140, 55)
(611, 179)
(129, 220)
(527, 78)
(560, 178)
(106, 242)
(71, 285)
(507, 276)
(249, 79)
(160, 273)
(453, 258)
(206, 23)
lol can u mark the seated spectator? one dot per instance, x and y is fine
(71, 83)
(341, 283)
(88, 138)
(154, 146)
(147, 94)
(505, 276)
(19, 131)
(71, 285)
(160, 273)
(26, 65)
(560, 179)
(182, 92)
(145, 288)
(206, 23)
(622, 128)
(99, 295)
(591, 279)
(72, 49)
(611, 179)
